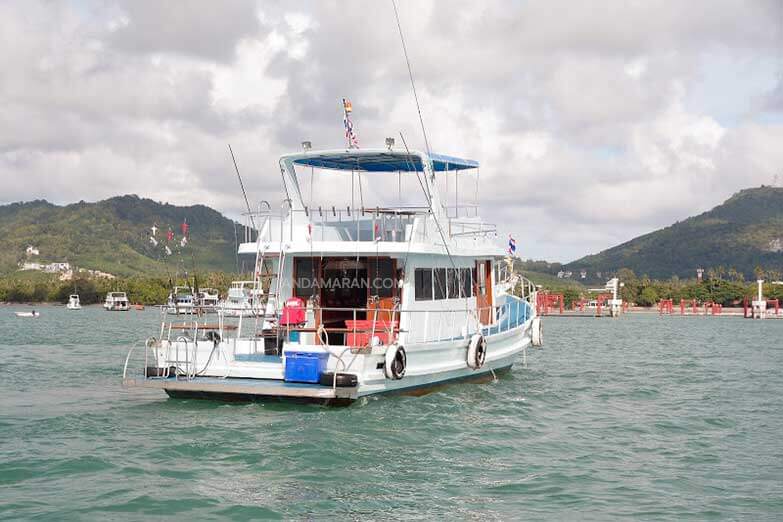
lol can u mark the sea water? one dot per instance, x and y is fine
(637, 417)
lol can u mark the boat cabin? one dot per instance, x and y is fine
(384, 242)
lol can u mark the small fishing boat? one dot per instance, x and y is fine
(180, 301)
(73, 302)
(116, 302)
(355, 299)
(28, 314)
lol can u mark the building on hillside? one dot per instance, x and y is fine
(54, 268)
(30, 266)
(32, 251)
(97, 273)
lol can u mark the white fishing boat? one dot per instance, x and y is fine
(28, 314)
(207, 300)
(180, 301)
(356, 299)
(241, 300)
(73, 302)
(116, 302)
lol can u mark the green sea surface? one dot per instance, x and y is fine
(640, 417)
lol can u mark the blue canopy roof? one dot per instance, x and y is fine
(385, 161)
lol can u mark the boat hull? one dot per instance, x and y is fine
(236, 379)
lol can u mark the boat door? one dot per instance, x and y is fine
(383, 288)
(482, 287)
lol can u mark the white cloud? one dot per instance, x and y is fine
(593, 122)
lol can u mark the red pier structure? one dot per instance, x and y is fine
(600, 300)
(693, 305)
(747, 311)
(545, 301)
(665, 306)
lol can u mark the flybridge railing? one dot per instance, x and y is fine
(471, 229)
(361, 224)
(465, 210)
(332, 223)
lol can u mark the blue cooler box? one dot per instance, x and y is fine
(305, 366)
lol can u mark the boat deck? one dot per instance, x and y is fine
(243, 389)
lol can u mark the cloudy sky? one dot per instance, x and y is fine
(593, 121)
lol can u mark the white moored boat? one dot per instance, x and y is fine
(207, 300)
(358, 298)
(73, 302)
(116, 302)
(240, 300)
(27, 314)
(180, 301)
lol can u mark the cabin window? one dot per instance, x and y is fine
(423, 283)
(466, 287)
(306, 274)
(452, 278)
(439, 279)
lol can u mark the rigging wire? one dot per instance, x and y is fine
(410, 74)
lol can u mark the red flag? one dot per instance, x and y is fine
(185, 227)
(170, 235)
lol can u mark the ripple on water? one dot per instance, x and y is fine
(641, 417)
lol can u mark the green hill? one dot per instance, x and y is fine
(743, 233)
(114, 236)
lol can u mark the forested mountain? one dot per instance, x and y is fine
(114, 236)
(743, 234)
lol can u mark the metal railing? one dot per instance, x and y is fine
(425, 325)
(350, 223)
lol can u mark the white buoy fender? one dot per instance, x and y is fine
(395, 362)
(537, 332)
(477, 351)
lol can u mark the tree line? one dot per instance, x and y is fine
(725, 287)
(144, 290)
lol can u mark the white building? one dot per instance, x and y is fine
(53, 268)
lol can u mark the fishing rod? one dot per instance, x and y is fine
(242, 186)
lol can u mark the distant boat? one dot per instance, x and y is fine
(180, 301)
(73, 302)
(207, 300)
(116, 302)
(28, 314)
(240, 301)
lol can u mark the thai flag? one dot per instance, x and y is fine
(512, 245)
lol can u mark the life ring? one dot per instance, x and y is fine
(537, 332)
(477, 351)
(395, 362)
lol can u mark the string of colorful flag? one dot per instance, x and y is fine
(170, 237)
(350, 135)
